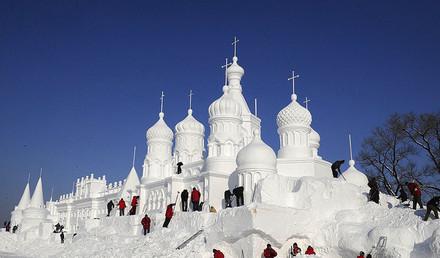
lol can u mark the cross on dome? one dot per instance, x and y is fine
(293, 83)
(190, 98)
(161, 104)
(351, 162)
(234, 43)
(226, 70)
(306, 102)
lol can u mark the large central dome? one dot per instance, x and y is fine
(256, 155)
(225, 106)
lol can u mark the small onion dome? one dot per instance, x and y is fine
(256, 155)
(225, 106)
(294, 114)
(235, 71)
(354, 176)
(160, 130)
(190, 125)
(314, 139)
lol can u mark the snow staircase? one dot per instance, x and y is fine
(377, 251)
(182, 245)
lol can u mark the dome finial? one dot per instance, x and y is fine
(190, 99)
(234, 43)
(293, 81)
(255, 107)
(134, 154)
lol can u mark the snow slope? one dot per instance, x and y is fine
(331, 215)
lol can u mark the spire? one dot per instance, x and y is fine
(130, 183)
(190, 102)
(134, 155)
(351, 162)
(294, 97)
(37, 200)
(51, 194)
(256, 107)
(25, 198)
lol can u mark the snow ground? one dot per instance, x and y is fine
(332, 216)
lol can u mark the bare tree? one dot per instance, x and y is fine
(387, 154)
(424, 131)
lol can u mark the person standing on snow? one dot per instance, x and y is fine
(374, 190)
(432, 205)
(238, 192)
(146, 221)
(62, 237)
(295, 250)
(133, 205)
(336, 168)
(184, 200)
(361, 255)
(218, 253)
(310, 251)
(415, 191)
(228, 201)
(110, 206)
(121, 206)
(195, 198)
(269, 252)
(403, 197)
(168, 214)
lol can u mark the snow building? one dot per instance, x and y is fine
(234, 155)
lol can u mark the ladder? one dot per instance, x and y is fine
(182, 245)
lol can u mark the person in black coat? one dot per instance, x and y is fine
(228, 201)
(432, 205)
(179, 167)
(238, 192)
(184, 200)
(403, 197)
(62, 237)
(110, 206)
(374, 190)
(336, 168)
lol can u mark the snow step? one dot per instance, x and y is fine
(189, 239)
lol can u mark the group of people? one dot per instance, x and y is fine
(269, 252)
(195, 199)
(239, 198)
(362, 255)
(431, 206)
(122, 206)
(7, 226)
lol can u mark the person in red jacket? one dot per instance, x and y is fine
(146, 221)
(310, 251)
(218, 253)
(295, 249)
(168, 214)
(269, 252)
(133, 205)
(414, 189)
(361, 255)
(195, 198)
(122, 206)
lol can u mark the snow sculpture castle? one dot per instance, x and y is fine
(236, 156)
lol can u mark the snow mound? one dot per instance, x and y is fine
(331, 215)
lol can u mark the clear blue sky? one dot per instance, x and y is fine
(80, 80)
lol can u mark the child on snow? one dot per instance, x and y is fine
(295, 250)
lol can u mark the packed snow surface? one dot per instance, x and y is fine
(331, 215)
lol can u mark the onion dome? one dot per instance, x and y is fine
(235, 72)
(354, 176)
(256, 155)
(225, 106)
(160, 130)
(190, 125)
(294, 114)
(314, 139)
